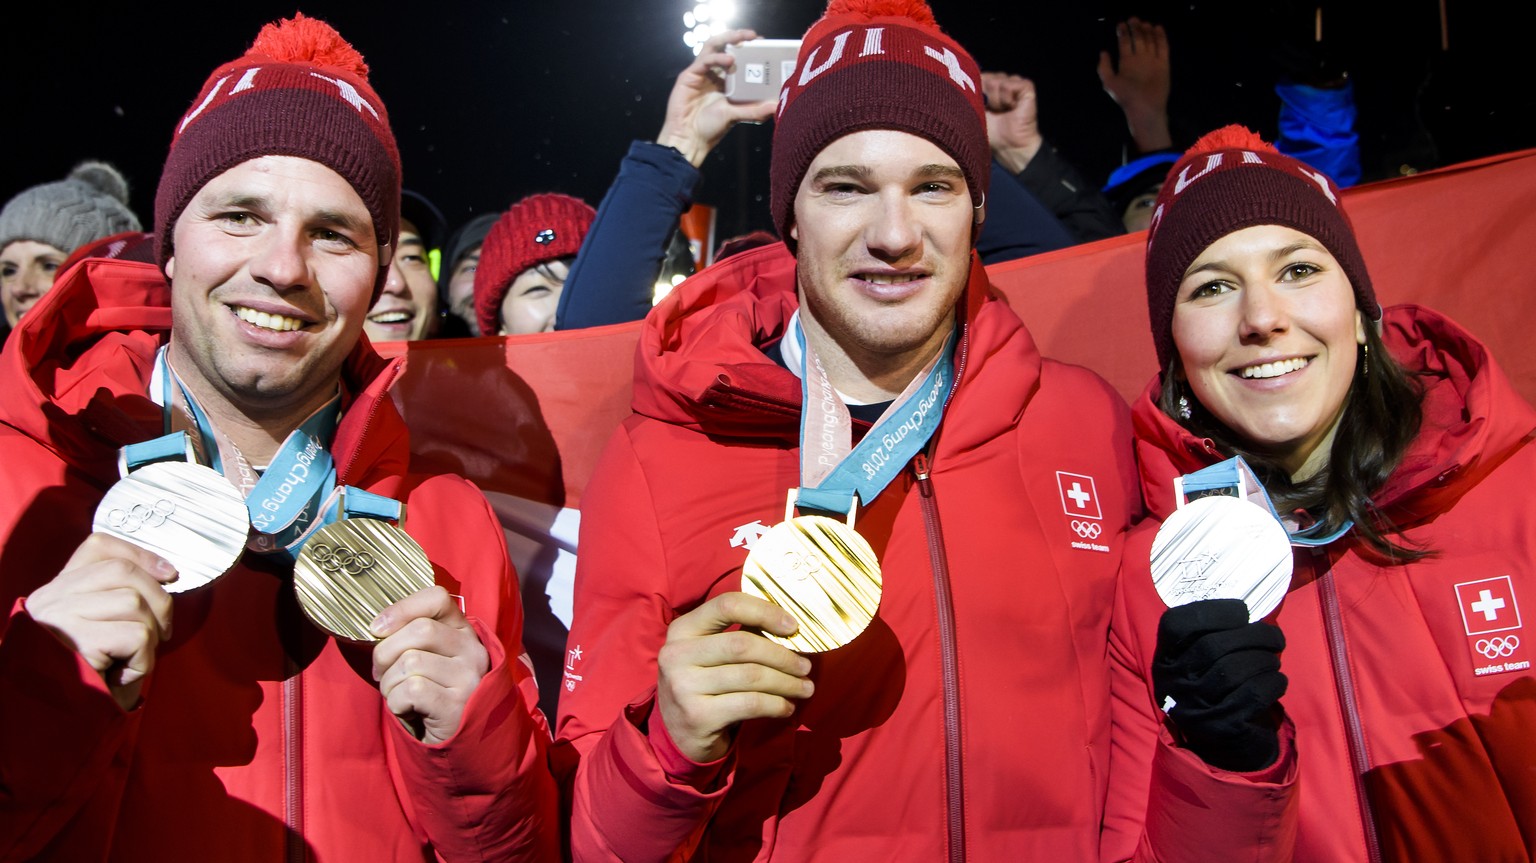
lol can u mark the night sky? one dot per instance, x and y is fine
(492, 101)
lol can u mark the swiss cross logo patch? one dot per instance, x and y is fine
(1080, 502)
(1079, 497)
(1488, 605)
(1490, 616)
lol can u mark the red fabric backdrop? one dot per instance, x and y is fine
(528, 415)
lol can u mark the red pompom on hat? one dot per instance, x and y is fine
(1229, 180)
(300, 90)
(877, 64)
(536, 230)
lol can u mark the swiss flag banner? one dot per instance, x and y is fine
(525, 417)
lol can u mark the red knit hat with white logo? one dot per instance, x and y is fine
(301, 90)
(536, 230)
(877, 64)
(1229, 180)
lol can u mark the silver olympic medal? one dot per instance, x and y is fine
(186, 513)
(1222, 547)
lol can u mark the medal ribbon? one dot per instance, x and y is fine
(283, 501)
(832, 470)
(1234, 478)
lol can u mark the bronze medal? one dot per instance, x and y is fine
(1222, 548)
(352, 569)
(186, 513)
(823, 573)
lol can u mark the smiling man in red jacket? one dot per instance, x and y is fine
(147, 717)
(867, 368)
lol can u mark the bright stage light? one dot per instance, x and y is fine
(705, 19)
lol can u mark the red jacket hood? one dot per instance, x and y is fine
(699, 364)
(77, 372)
(1473, 419)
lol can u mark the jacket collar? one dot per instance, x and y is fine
(700, 363)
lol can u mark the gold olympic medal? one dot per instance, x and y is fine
(1222, 547)
(352, 569)
(820, 571)
(186, 513)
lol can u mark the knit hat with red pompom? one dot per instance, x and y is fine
(301, 90)
(877, 64)
(1229, 180)
(536, 230)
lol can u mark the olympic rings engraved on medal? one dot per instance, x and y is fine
(141, 515)
(803, 566)
(1498, 646)
(1087, 529)
(343, 559)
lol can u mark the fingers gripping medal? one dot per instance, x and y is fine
(822, 572)
(354, 568)
(1222, 546)
(186, 513)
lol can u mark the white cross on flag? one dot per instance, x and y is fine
(1488, 605)
(1079, 497)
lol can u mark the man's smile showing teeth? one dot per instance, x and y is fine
(397, 317)
(280, 323)
(890, 278)
(1274, 369)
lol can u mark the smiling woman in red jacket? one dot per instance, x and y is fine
(1396, 456)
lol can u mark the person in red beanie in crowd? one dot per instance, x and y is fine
(846, 573)
(524, 262)
(1397, 459)
(242, 649)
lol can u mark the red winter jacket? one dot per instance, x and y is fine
(972, 719)
(259, 738)
(1411, 686)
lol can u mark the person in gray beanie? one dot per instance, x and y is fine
(42, 225)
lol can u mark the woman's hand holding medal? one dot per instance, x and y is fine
(428, 662)
(1219, 673)
(109, 604)
(710, 680)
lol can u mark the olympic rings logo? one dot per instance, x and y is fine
(141, 515)
(802, 566)
(342, 559)
(1498, 646)
(1087, 529)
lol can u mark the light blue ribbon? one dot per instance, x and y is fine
(1225, 478)
(885, 450)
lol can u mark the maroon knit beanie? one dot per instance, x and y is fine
(1229, 180)
(301, 90)
(536, 230)
(877, 64)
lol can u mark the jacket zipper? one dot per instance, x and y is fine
(293, 764)
(1354, 729)
(295, 850)
(954, 776)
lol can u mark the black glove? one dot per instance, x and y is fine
(1223, 674)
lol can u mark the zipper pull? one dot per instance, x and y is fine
(920, 471)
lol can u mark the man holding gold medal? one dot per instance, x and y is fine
(237, 629)
(846, 573)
